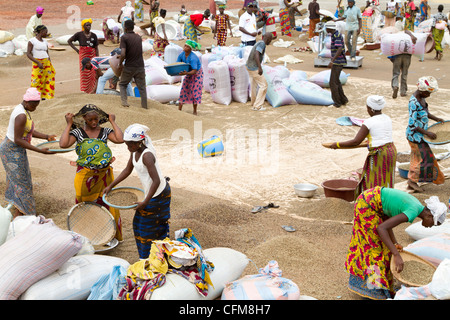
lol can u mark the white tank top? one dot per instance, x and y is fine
(39, 48)
(144, 176)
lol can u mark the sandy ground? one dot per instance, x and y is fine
(214, 196)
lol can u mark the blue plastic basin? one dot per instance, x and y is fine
(175, 69)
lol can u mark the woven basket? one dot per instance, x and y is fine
(93, 221)
(436, 128)
(408, 256)
(53, 146)
(138, 192)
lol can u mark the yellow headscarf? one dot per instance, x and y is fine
(83, 22)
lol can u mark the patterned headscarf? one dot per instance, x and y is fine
(78, 120)
(138, 132)
(428, 84)
(83, 22)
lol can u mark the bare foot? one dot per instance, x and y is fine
(413, 185)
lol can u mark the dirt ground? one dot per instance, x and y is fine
(214, 196)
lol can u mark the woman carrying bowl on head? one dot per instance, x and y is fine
(13, 151)
(379, 167)
(94, 171)
(192, 87)
(423, 166)
(373, 244)
(151, 220)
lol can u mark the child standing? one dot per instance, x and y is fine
(222, 22)
(151, 220)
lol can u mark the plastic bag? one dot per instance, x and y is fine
(277, 94)
(440, 285)
(239, 80)
(305, 92)
(5, 221)
(266, 285)
(171, 53)
(219, 82)
(398, 43)
(323, 78)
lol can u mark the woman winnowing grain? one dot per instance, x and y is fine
(94, 171)
(423, 165)
(151, 220)
(13, 152)
(379, 167)
(373, 244)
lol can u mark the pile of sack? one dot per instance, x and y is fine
(9, 44)
(433, 245)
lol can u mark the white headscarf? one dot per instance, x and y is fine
(428, 83)
(376, 102)
(437, 208)
(138, 132)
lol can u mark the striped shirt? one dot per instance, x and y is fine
(338, 42)
(80, 134)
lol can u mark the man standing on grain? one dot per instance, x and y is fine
(337, 63)
(131, 52)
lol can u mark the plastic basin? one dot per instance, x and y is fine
(305, 190)
(175, 69)
(402, 171)
(340, 188)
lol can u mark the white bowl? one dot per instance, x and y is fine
(171, 31)
(305, 190)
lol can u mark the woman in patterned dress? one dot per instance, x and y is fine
(379, 167)
(42, 72)
(423, 166)
(373, 244)
(94, 171)
(13, 152)
(192, 87)
(88, 49)
(222, 23)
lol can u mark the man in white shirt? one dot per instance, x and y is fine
(247, 25)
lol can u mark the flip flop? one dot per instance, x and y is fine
(260, 208)
(288, 228)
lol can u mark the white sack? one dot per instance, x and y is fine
(219, 82)
(163, 93)
(74, 279)
(228, 266)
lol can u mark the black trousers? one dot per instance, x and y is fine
(337, 93)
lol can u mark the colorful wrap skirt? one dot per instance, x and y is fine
(44, 79)
(192, 87)
(438, 35)
(152, 223)
(139, 10)
(89, 185)
(19, 186)
(221, 21)
(88, 80)
(285, 22)
(159, 45)
(423, 166)
(368, 259)
(366, 29)
(379, 168)
(189, 30)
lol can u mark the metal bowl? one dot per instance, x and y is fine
(305, 190)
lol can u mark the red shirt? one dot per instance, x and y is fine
(197, 18)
